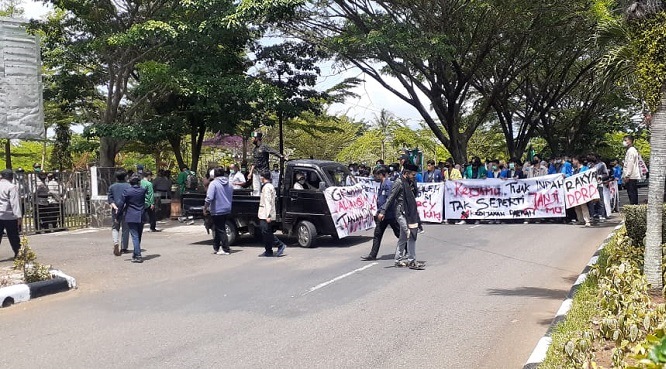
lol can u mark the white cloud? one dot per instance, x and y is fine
(35, 9)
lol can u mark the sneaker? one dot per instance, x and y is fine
(526, 222)
(421, 231)
(191, 222)
(588, 224)
(221, 252)
(400, 264)
(280, 250)
(416, 265)
(116, 249)
(368, 258)
(137, 259)
(156, 230)
(462, 222)
(266, 254)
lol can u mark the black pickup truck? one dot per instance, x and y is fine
(301, 213)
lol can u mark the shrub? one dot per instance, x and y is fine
(636, 222)
(32, 270)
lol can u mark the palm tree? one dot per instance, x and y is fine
(637, 50)
(385, 123)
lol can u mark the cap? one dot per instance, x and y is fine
(258, 135)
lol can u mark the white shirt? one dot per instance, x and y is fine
(267, 202)
(237, 180)
(631, 168)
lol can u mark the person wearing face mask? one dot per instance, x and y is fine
(300, 183)
(385, 185)
(494, 170)
(476, 170)
(631, 171)
(260, 155)
(236, 177)
(450, 172)
(402, 201)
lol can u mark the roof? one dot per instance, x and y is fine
(312, 162)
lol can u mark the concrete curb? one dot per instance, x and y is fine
(61, 282)
(539, 354)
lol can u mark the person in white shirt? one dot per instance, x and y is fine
(10, 210)
(267, 214)
(300, 184)
(631, 170)
(275, 176)
(237, 177)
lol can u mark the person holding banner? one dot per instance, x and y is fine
(582, 211)
(381, 176)
(403, 202)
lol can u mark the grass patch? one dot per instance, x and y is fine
(577, 321)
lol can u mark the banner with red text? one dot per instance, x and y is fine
(429, 199)
(350, 209)
(581, 188)
(492, 198)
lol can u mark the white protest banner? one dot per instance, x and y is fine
(540, 197)
(430, 202)
(371, 188)
(350, 209)
(614, 195)
(581, 188)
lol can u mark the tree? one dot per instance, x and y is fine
(637, 48)
(100, 43)
(433, 50)
(11, 8)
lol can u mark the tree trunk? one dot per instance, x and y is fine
(458, 149)
(108, 149)
(653, 235)
(8, 154)
(197, 136)
(175, 145)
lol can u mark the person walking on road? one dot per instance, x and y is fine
(260, 154)
(631, 170)
(150, 200)
(115, 198)
(10, 210)
(403, 202)
(218, 204)
(381, 176)
(267, 215)
(132, 208)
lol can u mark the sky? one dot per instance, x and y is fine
(372, 96)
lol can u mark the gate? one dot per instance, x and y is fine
(57, 201)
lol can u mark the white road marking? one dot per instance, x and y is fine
(322, 285)
(475, 226)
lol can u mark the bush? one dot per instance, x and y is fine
(636, 222)
(27, 262)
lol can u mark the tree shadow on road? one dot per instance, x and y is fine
(543, 293)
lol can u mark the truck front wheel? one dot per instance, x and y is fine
(306, 233)
(232, 232)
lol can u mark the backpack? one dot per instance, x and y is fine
(191, 182)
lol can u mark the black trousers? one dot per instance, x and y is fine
(380, 228)
(152, 218)
(220, 233)
(632, 191)
(268, 237)
(11, 226)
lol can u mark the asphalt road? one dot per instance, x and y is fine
(486, 297)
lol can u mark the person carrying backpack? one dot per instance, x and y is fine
(187, 180)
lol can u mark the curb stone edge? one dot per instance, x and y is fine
(539, 353)
(15, 294)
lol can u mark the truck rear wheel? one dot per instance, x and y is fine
(232, 232)
(306, 233)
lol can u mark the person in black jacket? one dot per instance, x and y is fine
(381, 176)
(403, 202)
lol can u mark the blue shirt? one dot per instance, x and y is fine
(382, 195)
(505, 173)
(419, 177)
(116, 190)
(434, 176)
(617, 173)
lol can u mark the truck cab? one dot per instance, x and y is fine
(302, 212)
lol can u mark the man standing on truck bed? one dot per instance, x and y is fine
(267, 215)
(260, 163)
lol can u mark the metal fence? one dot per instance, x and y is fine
(56, 202)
